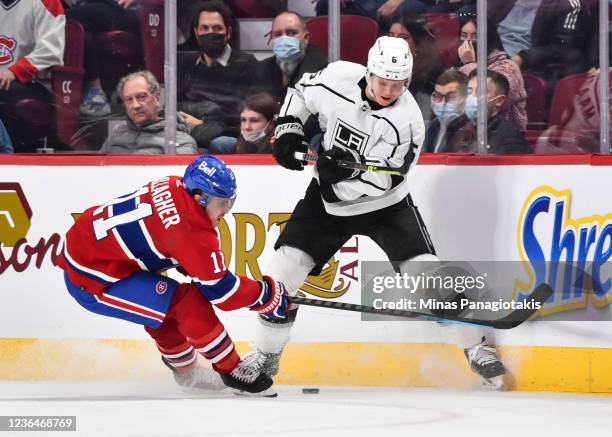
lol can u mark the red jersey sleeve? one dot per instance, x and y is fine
(198, 252)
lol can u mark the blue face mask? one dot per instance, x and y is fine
(286, 48)
(446, 112)
(471, 107)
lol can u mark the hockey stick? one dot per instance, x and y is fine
(538, 296)
(398, 171)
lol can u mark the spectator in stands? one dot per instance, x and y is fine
(32, 40)
(578, 130)
(143, 130)
(546, 37)
(293, 56)
(99, 16)
(451, 130)
(503, 136)
(6, 145)
(497, 60)
(257, 122)
(428, 62)
(214, 82)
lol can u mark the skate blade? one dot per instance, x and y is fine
(495, 383)
(268, 393)
(201, 388)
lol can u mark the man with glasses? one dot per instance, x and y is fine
(451, 130)
(143, 130)
(114, 255)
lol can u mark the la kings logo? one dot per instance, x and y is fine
(346, 135)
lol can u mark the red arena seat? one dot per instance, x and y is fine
(446, 29)
(537, 114)
(121, 53)
(151, 13)
(357, 35)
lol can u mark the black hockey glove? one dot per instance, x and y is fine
(330, 172)
(289, 139)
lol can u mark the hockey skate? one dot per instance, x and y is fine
(484, 362)
(199, 378)
(268, 362)
(248, 379)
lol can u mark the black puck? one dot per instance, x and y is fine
(310, 391)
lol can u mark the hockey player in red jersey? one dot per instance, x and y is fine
(114, 253)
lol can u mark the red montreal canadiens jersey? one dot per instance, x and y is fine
(154, 228)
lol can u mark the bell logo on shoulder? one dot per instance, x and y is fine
(161, 287)
(206, 169)
(7, 48)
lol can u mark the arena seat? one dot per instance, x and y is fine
(537, 114)
(357, 35)
(119, 53)
(151, 13)
(61, 118)
(252, 9)
(445, 27)
(67, 83)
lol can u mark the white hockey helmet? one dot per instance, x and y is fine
(390, 58)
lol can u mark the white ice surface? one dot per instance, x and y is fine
(160, 409)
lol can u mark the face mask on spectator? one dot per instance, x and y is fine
(446, 112)
(255, 136)
(471, 107)
(212, 44)
(286, 48)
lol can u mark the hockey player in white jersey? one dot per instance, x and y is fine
(367, 116)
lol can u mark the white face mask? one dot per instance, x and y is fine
(253, 137)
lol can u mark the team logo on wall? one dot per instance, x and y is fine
(15, 222)
(7, 48)
(572, 254)
(348, 136)
(337, 275)
(15, 214)
(244, 241)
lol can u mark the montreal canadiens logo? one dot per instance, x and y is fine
(7, 47)
(161, 287)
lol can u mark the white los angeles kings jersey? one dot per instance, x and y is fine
(383, 135)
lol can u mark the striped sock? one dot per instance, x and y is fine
(219, 351)
(183, 359)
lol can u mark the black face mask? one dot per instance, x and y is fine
(212, 44)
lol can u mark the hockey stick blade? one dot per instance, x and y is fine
(539, 295)
(400, 171)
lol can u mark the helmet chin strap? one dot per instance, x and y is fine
(369, 83)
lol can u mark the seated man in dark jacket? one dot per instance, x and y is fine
(503, 135)
(451, 130)
(213, 83)
(293, 56)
